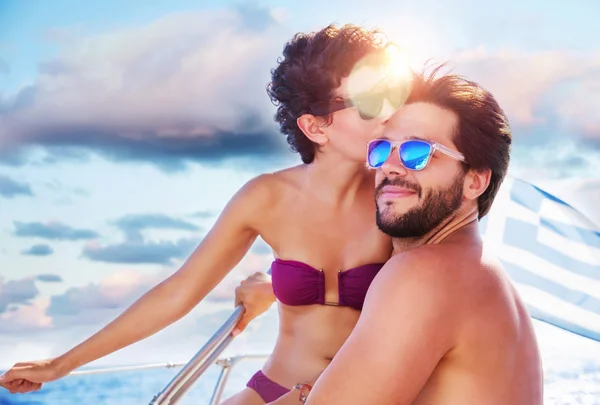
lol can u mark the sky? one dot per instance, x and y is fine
(125, 127)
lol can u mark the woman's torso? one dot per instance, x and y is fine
(313, 241)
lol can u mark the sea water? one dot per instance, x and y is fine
(571, 377)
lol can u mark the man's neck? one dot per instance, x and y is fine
(461, 219)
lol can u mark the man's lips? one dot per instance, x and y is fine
(396, 192)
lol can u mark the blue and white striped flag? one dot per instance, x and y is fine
(551, 253)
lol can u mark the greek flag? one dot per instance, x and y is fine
(551, 253)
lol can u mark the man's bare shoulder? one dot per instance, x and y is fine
(456, 273)
(423, 271)
(469, 277)
(434, 264)
(463, 287)
(417, 288)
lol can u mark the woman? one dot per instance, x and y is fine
(317, 217)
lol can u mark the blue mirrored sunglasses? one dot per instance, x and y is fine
(414, 154)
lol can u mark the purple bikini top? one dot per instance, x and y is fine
(297, 283)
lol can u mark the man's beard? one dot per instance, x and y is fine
(434, 208)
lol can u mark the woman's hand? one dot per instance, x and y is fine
(29, 376)
(256, 295)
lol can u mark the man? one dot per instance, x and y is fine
(441, 323)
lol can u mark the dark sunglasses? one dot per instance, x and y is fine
(414, 154)
(369, 104)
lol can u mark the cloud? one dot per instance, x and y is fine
(26, 318)
(20, 310)
(61, 154)
(59, 187)
(136, 250)
(98, 302)
(554, 159)
(38, 250)
(10, 157)
(203, 214)
(557, 89)
(21, 307)
(551, 98)
(188, 86)
(141, 252)
(133, 225)
(52, 231)
(49, 278)
(10, 188)
(16, 292)
(68, 318)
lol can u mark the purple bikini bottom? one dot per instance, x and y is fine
(268, 389)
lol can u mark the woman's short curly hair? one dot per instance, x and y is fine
(313, 65)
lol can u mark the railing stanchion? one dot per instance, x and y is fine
(226, 366)
(201, 361)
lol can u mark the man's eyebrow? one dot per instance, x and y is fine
(413, 136)
(407, 137)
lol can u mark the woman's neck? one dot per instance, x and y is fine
(338, 181)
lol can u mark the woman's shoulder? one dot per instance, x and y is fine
(290, 176)
(270, 187)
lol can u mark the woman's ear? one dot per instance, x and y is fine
(476, 182)
(313, 128)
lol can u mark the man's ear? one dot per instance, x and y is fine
(476, 182)
(312, 128)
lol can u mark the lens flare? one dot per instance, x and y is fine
(380, 81)
(398, 65)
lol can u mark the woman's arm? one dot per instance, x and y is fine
(222, 248)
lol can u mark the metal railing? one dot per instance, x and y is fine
(126, 368)
(227, 364)
(193, 369)
(201, 361)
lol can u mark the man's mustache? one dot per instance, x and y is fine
(397, 182)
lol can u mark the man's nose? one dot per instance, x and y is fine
(393, 166)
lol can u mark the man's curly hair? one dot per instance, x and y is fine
(313, 65)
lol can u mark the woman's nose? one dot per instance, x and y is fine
(387, 110)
